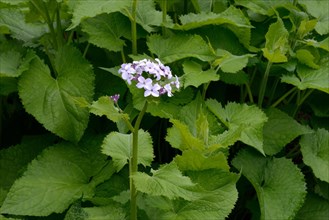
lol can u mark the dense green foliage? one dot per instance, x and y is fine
(245, 137)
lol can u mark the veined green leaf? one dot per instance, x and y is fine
(13, 63)
(315, 150)
(82, 9)
(276, 45)
(118, 146)
(320, 10)
(235, 115)
(314, 207)
(230, 63)
(105, 106)
(195, 76)
(232, 18)
(322, 44)
(180, 46)
(58, 177)
(310, 78)
(51, 100)
(279, 184)
(238, 78)
(180, 137)
(113, 211)
(260, 7)
(167, 181)
(105, 30)
(279, 130)
(19, 29)
(305, 27)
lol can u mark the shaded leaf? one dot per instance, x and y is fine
(315, 150)
(314, 207)
(279, 184)
(13, 63)
(306, 57)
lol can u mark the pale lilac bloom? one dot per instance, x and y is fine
(144, 83)
(154, 91)
(167, 88)
(115, 98)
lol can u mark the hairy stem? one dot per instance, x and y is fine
(263, 85)
(133, 165)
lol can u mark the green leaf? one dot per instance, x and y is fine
(105, 30)
(194, 160)
(113, 211)
(314, 148)
(51, 100)
(306, 57)
(320, 10)
(13, 160)
(308, 78)
(225, 139)
(13, 63)
(14, 20)
(280, 130)
(324, 44)
(195, 76)
(235, 115)
(314, 207)
(217, 192)
(167, 181)
(105, 106)
(58, 177)
(180, 137)
(82, 9)
(276, 45)
(230, 63)
(118, 146)
(239, 78)
(8, 85)
(305, 28)
(279, 184)
(179, 46)
(232, 18)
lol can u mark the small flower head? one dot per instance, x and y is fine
(115, 98)
(154, 77)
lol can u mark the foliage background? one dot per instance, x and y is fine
(245, 138)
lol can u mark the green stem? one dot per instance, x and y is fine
(283, 97)
(86, 50)
(263, 85)
(276, 82)
(59, 26)
(134, 28)
(51, 26)
(123, 57)
(164, 17)
(302, 96)
(133, 165)
(249, 93)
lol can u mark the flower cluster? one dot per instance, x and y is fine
(154, 77)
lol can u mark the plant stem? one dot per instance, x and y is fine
(263, 85)
(283, 97)
(164, 17)
(134, 28)
(302, 96)
(133, 165)
(86, 50)
(249, 93)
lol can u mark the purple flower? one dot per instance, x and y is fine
(144, 83)
(154, 91)
(115, 98)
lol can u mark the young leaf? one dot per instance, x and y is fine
(306, 57)
(180, 137)
(167, 181)
(59, 113)
(315, 150)
(276, 45)
(82, 9)
(105, 106)
(279, 184)
(310, 78)
(280, 130)
(58, 177)
(179, 46)
(118, 146)
(235, 115)
(230, 63)
(195, 76)
(105, 30)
